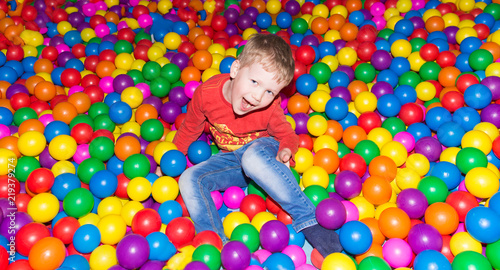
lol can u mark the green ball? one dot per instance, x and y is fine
(365, 72)
(480, 59)
(171, 72)
(95, 40)
(321, 72)
(160, 87)
(136, 76)
(416, 44)
(142, 35)
(102, 148)
(253, 188)
(123, 46)
(470, 260)
(209, 255)
(82, 118)
(296, 175)
(88, 168)
(385, 33)
(299, 26)
(394, 125)
(493, 9)
(152, 130)
(273, 29)
(343, 150)
(136, 165)
(434, 189)
(409, 78)
(239, 50)
(23, 114)
(429, 71)
(177, 83)
(367, 149)
(373, 263)
(98, 108)
(151, 70)
(248, 235)
(214, 149)
(492, 251)
(316, 194)
(231, 2)
(469, 158)
(103, 121)
(331, 183)
(433, 100)
(39, 49)
(78, 202)
(25, 165)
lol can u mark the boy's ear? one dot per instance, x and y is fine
(235, 67)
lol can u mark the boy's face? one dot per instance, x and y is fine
(252, 88)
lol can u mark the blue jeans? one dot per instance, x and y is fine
(254, 161)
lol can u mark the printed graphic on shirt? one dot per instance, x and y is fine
(226, 139)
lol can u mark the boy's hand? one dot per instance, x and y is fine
(284, 156)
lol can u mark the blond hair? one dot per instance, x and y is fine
(272, 52)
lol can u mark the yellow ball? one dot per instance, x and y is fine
(419, 163)
(318, 100)
(404, 6)
(89, 218)
(463, 241)
(338, 261)
(315, 175)
(449, 154)
(129, 210)
(477, 139)
(124, 61)
(481, 182)
(425, 91)
(216, 59)
(416, 61)
(62, 147)
(8, 161)
(488, 128)
(331, 61)
(132, 96)
(31, 143)
(494, 68)
(154, 53)
(325, 141)
(451, 19)
(290, 120)
(396, 151)
(347, 56)
(63, 166)
(339, 9)
(87, 34)
(112, 228)
(431, 13)
(464, 33)
(109, 206)
(380, 136)
(262, 218)
(103, 258)
(401, 48)
(30, 51)
(164, 6)
(331, 36)
(365, 208)
(131, 127)
(232, 220)
(466, 5)
(43, 207)
(247, 33)
(139, 189)
(165, 188)
(321, 10)
(407, 178)
(273, 6)
(209, 73)
(303, 160)
(382, 207)
(172, 41)
(64, 27)
(317, 125)
(217, 48)
(365, 102)
(161, 148)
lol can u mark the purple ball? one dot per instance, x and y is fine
(301, 123)
(154, 101)
(382, 88)
(180, 59)
(235, 256)
(253, 12)
(153, 265)
(152, 163)
(171, 17)
(413, 202)
(339, 44)
(348, 184)
(82, 26)
(347, 70)
(132, 251)
(16, 88)
(111, 38)
(170, 111)
(46, 160)
(381, 59)
(5, 207)
(491, 113)
(75, 18)
(117, 267)
(417, 22)
(196, 265)
(244, 21)
(429, 147)
(493, 83)
(451, 34)
(178, 96)
(368, 16)
(424, 236)
(330, 213)
(231, 30)
(56, 41)
(117, 9)
(274, 236)
(310, 41)
(121, 82)
(231, 15)
(341, 92)
(9, 229)
(148, 203)
(64, 57)
(292, 7)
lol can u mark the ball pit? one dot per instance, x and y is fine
(396, 104)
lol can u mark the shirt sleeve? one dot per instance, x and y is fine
(282, 130)
(193, 125)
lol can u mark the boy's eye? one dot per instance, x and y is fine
(254, 81)
(270, 92)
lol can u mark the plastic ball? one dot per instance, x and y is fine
(132, 251)
(274, 236)
(397, 252)
(468, 259)
(355, 237)
(86, 238)
(198, 151)
(48, 253)
(43, 207)
(78, 202)
(103, 257)
(431, 259)
(442, 216)
(479, 224)
(481, 182)
(331, 213)
(394, 223)
(424, 237)
(180, 231)
(338, 261)
(235, 255)
(173, 163)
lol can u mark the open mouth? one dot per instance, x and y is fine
(246, 105)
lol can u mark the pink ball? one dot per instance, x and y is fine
(75, 89)
(46, 41)
(235, 7)
(134, 2)
(4, 131)
(89, 9)
(295, 253)
(144, 87)
(380, 22)
(460, 228)
(62, 48)
(397, 253)
(121, 25)
(101, 30)
(461, 186)
(82, 153)
(106, 84)
(377, 9)
(101, 5)
(406, 139)
(262, 255)
(233, 196)
(417, 4)
(46, 119)
(217, 198)
(254, 267)
(352, 212)
(306, 267)
(144, 20)
(190, 87)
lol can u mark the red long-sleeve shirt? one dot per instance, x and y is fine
(231, 131)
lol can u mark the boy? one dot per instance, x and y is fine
(243, 113)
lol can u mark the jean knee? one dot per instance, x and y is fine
(187, 180)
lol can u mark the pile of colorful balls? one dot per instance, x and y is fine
(396, 103)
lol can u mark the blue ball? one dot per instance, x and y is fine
(400, 65)
(419, 130)
(6, 116)
(199, 151)
(396, 36)
(76, 262)
(442, 44)
(326, 48)
(103, 184)
(477, 96)
(356, 17)
(348, 121)
(63, 184)
(448, 172)
(115, 165)
(169, 210)
(436, 117)
(494, 203)
(467, 117)
(405, 27)
(106, 45)
(355, 237)
(75, 63)
(180, 28)
(225, 64)
(284, 20)
(71, 38)
(383, 45)
(431, 260)
(470, 44)
(120, 112)
(485, 18)
(278, 261)
(29, 63)
(462, 62)
(450, 134)
(296, 39)
(86, 238)
(3, 59)
(388, 76)
(338, 78)
(406, 94)
(436, 35)
(17, 66)
(388, 105)
(482, 224)
(8, 74)
(492, 158)
(56, 74)
(173, 163)
(92, 49)
(336, 108)
(306, 84)
(112, 98)
(296, 238)
(4, 242)
(264, 20)
(160, 247)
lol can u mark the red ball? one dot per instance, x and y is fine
(73, 251)
(496, 147)
(40, 180)
(482, 30)
(65, 228)
(234, 40)
(353, 162)
(180, 231)
(139, 10)
(18, 265)
(305, 141)
(411, 113)
(96, 20)
(28, 235)
(419, 33)
(446, 59)
(180, 200)
(187, 48)
(50, 53)
(91, 62)
(252, 204)
(39, 106)
(305, 54)
(22, 200)
(452, 101)
(15, 52)
(9, 186)
(284, 217)
(429, 52)
(82, 133)
(29, 13)
(90, 79)
(369, 121)
(446, 249)
(462, 201)
(219, 22)
(71, 77)
(272, 205)
(4, 258)
(105, 133)
(95, 93)
(19, 100)
(59, 15)
(307, 8)
(107, 55)
(126, 34)
(465, 81)
(78, 50)
(444, 8)
(146, 221)
(367, 33)
(207, 237)
(121, 190)
(365, 50)
(141, 52)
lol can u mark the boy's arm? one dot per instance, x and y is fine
(193, 124)
(282, 130)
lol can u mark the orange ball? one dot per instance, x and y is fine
(151, 147)
(394, 223)
(493, 48)
(336, 21)
(202, 42)
(10, 142)
(145, 112)
(112, 17)
(374, 250)
(372, 223)
(349, 31)
(31, 82)
(298, 104)
(81, 101)
(45, 91)
(64, 111)
(352, 135)
(202, 59)
(377, 190)
(43, 65)
(327, 159)
(31, 125)
(190, 74)
(355, 87)
(3, 89)
(319, 25)
(434, 23)
(334, 129)
(353, 5)
(448, 76)
(384, 167)
(48, 253)
(105, 68)
(127, 146)
(260, 5)
(194, 33)
(443, 217)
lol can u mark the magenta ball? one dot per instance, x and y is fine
(348, 184)
(413, 202)
(331, 213)
(233, 196)
(424, 236)
(274, 236)
(397, 253)
(196, 265)
(132, 251)
(235, 256)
